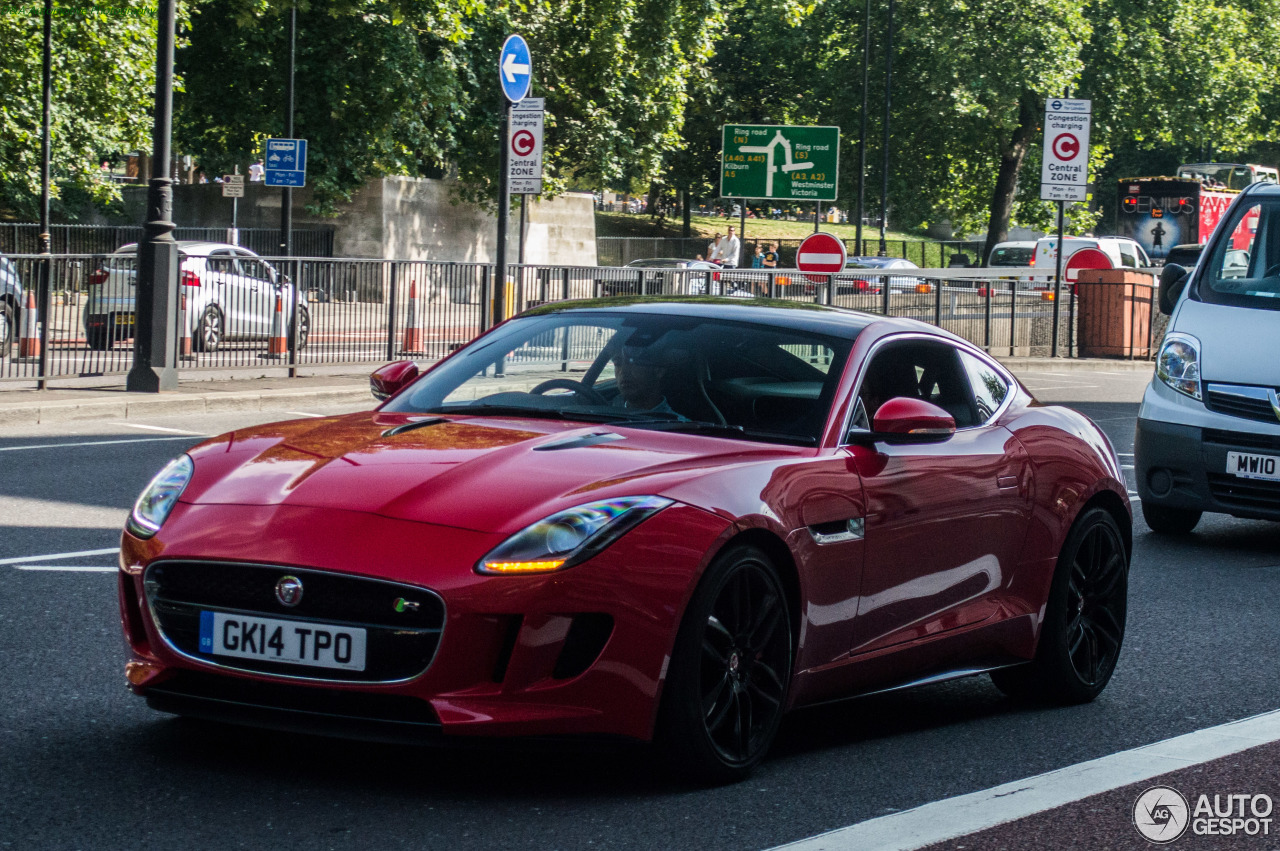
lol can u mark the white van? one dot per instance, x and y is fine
(1124, 253)
(1208, 434)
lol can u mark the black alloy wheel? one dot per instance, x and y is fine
(727, 686)
(1084, 622)
(208, 331)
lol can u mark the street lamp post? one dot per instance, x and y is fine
(286, 200)
(862, 139)
(45, 278)
(156, 295)
(888, 100)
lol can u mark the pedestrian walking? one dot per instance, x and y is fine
(771, 257)
(730, 248)
(256, 172)
(757, 259)
(713, 250)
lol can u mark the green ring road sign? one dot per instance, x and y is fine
(779, 162)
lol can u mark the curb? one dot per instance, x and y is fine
(137, 406)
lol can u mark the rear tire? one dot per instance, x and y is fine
(1170, 521)
(208, 331)
(727, 684)
(8, 328)
(1084, 620)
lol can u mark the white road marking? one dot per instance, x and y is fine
(302, 414)
(58, 556)
(94, 443)
(159, 428)
(67, 568)
(1063, 387)
(1126, 466)
(951, 818)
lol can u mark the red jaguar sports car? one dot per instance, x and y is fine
(662, 519)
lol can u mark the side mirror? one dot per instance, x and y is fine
(1172, 279)
(389, 380)
(904, 420)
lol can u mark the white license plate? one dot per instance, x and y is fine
(291, 642)
(1249, 465)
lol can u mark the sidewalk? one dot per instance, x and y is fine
(206, 393)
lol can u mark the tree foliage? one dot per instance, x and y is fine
(103, 64)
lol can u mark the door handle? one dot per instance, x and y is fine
(1007, 481)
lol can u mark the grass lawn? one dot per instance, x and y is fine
(639, 224)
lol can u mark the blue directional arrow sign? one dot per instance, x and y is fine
(285, 163)
(515, 68)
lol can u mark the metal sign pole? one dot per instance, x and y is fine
(524, 208)
(1057, 285)
(504, 214)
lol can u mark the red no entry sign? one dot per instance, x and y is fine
(821, 253)
(523, 143)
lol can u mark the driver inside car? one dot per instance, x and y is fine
(640, 375)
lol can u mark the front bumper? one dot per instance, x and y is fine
(1184, 466)
(579, 652)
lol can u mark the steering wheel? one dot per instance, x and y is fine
(579, 389)
(1272, 270)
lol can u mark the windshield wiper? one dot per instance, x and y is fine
(721, 430)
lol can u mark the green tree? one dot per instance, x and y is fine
(103, 63)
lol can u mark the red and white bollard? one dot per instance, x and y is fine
(279, 345)
(184, 323)
(414, 337)
(29, 343)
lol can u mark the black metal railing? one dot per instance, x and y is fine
(24, 238)
(621, 250)
(307, 312)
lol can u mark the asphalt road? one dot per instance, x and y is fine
(84, 764)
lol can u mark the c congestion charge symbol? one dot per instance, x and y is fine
(523, 143)
(1066, 146)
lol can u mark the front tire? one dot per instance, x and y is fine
(730, 670)
(1084, 618)
(1170, 521)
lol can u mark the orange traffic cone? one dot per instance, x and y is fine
(414, 338)
(29, 344)
(184, 322)
(278, 345)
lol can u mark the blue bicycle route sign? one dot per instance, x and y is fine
(286, 162)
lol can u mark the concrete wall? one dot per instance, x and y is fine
(399, 218)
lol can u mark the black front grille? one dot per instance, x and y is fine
(401, 639)
(1236, 492)
(1242, 439)
(1240, 406)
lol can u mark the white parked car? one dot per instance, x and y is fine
(231, 295)
(1123, 252)
(1208, 435)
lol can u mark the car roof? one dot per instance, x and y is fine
(797, 315)
(1017, 243)
(886, 262)
(191, 246)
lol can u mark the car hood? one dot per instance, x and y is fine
(484, 474)
(1236, 343)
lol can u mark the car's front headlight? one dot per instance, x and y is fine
(569, 537)
(1179, 363)
(159, 497)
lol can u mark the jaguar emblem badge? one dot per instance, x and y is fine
(289, 591)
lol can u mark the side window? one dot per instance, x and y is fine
(989, 388)
(1127, 258)
(221, 263)
(915, 370)
(252, 267)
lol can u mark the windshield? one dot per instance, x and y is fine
(1244, 269)
(1012, 256)
(1219, 175)
(674, 373)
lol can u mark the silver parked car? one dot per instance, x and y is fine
(12, 301)
(231, 295)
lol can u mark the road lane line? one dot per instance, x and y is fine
(1063, 387)
(160, 428)
(65, 568)
(952, 818)
(58, 556)
(95, 443)
(303, 414)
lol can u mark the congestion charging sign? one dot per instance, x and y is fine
(1065, 173)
